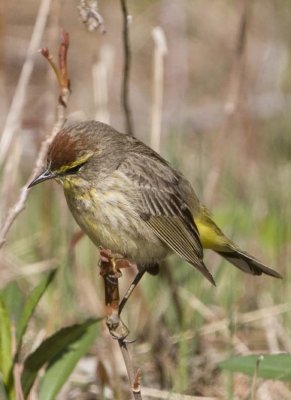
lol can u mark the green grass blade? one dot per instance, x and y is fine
(61, 366)
(271, 366)
(13, 300)
(6, 358)
(50, 349)
(5, 343)
(30, 306)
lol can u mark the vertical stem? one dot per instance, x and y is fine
(134, 378)
(116, 327)
(126, 69)
(158, 84)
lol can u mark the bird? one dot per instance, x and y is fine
(130, 200)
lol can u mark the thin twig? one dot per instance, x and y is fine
(62, 76)
(134, 378)
(126, 69)
(111, 273)
(12, 120)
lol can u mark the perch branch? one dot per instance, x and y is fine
(134, 377)
(62, 77)
(110, 271)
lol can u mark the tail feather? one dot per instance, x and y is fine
(247, 263)
(213, 238)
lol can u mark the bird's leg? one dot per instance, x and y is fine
(131, 288)
(118, 262)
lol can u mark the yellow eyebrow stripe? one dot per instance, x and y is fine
(75, 163)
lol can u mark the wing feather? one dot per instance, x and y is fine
(160, 204)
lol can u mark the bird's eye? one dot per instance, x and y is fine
(75, 169)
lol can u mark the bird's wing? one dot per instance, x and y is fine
(160, 204)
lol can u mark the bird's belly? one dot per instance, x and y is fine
(110, 221)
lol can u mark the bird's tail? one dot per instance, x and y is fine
(213, 238)
(246, 262)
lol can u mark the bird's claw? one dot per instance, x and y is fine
(118, 330)
(113, 263)
(109, 263)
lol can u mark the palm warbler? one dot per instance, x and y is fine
(128, 199)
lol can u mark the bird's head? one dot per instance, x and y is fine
(72, 150)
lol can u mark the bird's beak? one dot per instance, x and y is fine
(47, 174)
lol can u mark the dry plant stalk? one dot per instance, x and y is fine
(61, 73)
(126, 69)
(111, 281)
(160, 51)
(100, 90)
(110, 272)
(12, 120)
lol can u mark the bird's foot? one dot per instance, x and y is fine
(118, 330)
(110, 270)
(113, 263)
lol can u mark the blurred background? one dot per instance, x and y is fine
(225, 123)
